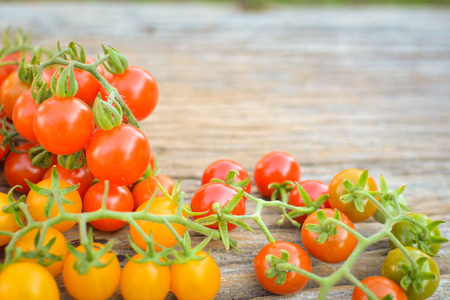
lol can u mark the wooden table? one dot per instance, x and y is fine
(337, 87)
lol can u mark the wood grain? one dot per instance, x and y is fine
(347, 87)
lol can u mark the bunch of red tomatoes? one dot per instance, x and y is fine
(82, 159)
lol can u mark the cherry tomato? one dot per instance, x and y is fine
(8, 69)
(196, 279)
(144, 189)
(391, 270)
(144, 281)
(18, 167)
(409, 234)
(81, 176)
(380, 286)
(211, 193)
(220, 169)
(120, 155)
(36, 205)
(294, 281)
(275, 167)
(119, 199)
(7, 221)
(23, 115)
(97, 283)
(27, 280)
(138, 89)
(10, 91)
(88, 86)
(314, 189)
(342, 244)
(337, 190)
(27, 244)
(63, 125)
(160, 206)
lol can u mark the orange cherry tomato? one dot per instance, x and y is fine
(7, 221)
(380, 286)
(144, 189)
(10, 91)
(23, 114)
(81, 176)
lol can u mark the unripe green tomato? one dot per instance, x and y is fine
(390, 207)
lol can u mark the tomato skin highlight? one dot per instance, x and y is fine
(144, 281)
(138, 89)
(119, 199)
(380, 286)
(342, 243)
(219, 169)
(196, 279)
(294, 281)
(36, 205)
(161, 206)
(391, 271)
(97, 283)
(7, 221)
(213, 192)
(27, 280)
(336, 191)
(145, 189)
(59, 248)
(63, 125)
(23, 115)
(120, 155)
(276, 167)
(314, 189)
(10, 91)
(18, 167)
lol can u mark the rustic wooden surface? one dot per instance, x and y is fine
(364, 87)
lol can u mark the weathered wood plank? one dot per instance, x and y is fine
(336, 87)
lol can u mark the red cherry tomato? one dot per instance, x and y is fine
(23, 115)
(336, 248)
(81, 176)
(138, 89)
(380, 286)
(220, 169)
(275, 167)
(211, 193)
(63, 125)
(18, 167)
(10, 91)
(120, 155)
(314, 189)
(88, 86)
(119, 199)
(8, 69)
(144, 189)
(294, 281)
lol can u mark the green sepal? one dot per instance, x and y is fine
(107, 114)
(26, 72)
(228, 208)
(40, 157)
(117, 62)
(39, 90)
(273, 271)
(72, 161)
(74, 55)
(13, 206)
(223, 229)
(64, 85)
(242, 225)
(388, 297)
(313, 228)
(208, 220)
(279, 188)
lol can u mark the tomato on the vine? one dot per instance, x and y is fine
(27, 244)
(392, 269)
(336, 248)
(10, 91)
(220, 169)
(8, 69)
(36, 204)
(294, 281)
(23, 115)
(145, 189)
(18, 167)
(138, 89)
(7, 221)
(81, 176)
(160, 206)
(380, 286)
(119, 199)
(98, 283)
(27, 280)
(275, 167)
(144, 281)
(336, 191)
(314, 189)
(88, 86)
(215, 192)
(196, 279)
(120, 155)
(63, 125)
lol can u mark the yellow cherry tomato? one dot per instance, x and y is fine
(7, 221)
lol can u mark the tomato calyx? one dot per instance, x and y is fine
(414, 275)
(40, 157)
(39, 90)
(324, 229)
(42, 253)
(107, 114)
(277, 268)
(15, 206)
(117, 63)
(8, 133)
(392, 201)
(356, 193)
(161, 258)
(72, 161)
(63, 83)
(26, 72)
